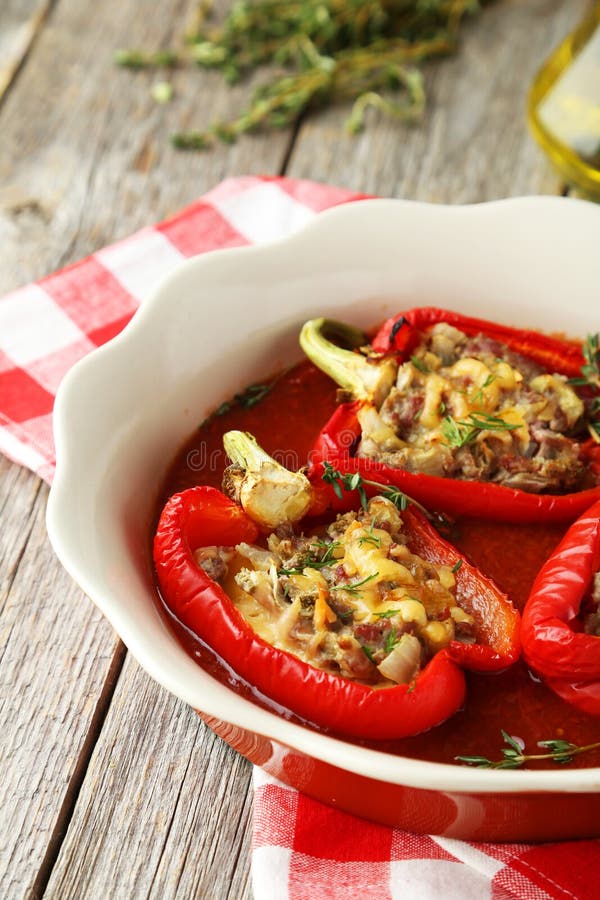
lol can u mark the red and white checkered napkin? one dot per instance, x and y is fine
(302, 850)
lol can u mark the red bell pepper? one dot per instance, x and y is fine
(568, 659)
(398, 336)
(203, 516)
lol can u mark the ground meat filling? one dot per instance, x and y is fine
(352, 600)
(469, 407)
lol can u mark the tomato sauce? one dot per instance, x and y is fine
(286, 422)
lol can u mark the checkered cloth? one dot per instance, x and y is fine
(302, 850)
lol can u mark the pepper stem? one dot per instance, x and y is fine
(267, 491)
(244, 451)
(367, 378)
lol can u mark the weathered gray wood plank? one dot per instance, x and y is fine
(85, 156)
(84, 159)
(164, 810)
(55, 653)
(18, 495)
(20, 22)
(473, 144)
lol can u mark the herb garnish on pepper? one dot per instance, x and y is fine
(514, 756)
(199, 533)
(492, 422)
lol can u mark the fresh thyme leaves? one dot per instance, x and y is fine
(336, 51)
(590, 378)
(419, 364)
(456, 433)
(329, 547)
(456, 566)
(591, 354)
(459, 432)
(478, 395)
(346, 615)
(369, 537)
(253, 394)
(249, 397)
(387, 613)
(514, 756)
(312, 560)
(368, 653)
(136, 59)
(341, 482)
(391, 640)
(355, 587)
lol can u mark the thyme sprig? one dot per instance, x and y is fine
(392, 638)
(249, 397)
(312, 560)
(353, 481)
(514, 755)
(387, 613)
(478, 395)
(369, 537)
(139, 59)
(354, 587)
(337, 51)
(590, 378)
(459, 432)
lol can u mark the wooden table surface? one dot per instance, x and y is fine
(111, 787)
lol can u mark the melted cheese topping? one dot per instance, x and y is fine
(477, 417)
(367, 588)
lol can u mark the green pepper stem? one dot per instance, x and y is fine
(244, 451)
(365, 378)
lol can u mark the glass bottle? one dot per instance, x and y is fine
(564, 106)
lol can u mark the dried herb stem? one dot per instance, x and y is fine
(353, 481)
(590, 379)
(514, 756)
(459, 432)
(339, 50)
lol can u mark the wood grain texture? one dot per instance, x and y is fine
(83, 160)
(164, 810)
(18, 493)
(473, 144)
(56, 651)
(85, 156)
(20, 23)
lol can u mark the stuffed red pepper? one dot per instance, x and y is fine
(561, 620)
(360, 623)
(467, 416)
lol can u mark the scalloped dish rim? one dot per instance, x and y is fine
(71, 509)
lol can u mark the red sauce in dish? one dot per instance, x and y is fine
(285, 422)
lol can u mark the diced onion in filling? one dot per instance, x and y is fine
(403, 663)
(352, 599)
(468, 407)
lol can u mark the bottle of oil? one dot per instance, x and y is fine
(564, 107)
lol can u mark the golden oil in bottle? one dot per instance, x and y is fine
(564, 107)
